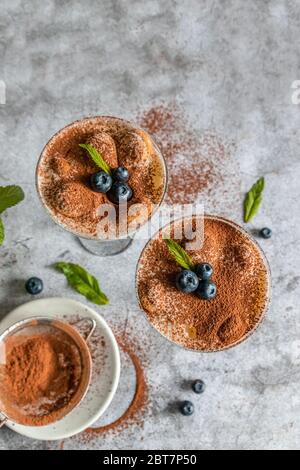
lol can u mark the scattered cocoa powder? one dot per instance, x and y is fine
(199, 164)
(241, 276)
(134, 413)
(40, 376)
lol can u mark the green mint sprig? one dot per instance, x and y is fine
(96, 157)
(83, 282)
(179, 254)
(253, 199)
(9, 196)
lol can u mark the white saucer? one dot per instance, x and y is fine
(106, 367)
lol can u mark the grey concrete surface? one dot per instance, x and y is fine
(230, 65)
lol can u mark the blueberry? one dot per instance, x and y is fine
(101, 182)
(121, 174)
(266, 232)
(120, 192)
(204, 271)
(207, 290)
(186, 408)
(34, 286)
(187, 281)
(198, 386)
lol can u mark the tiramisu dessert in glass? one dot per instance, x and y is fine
(99, 169)
(208, 299)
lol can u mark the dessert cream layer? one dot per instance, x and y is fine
(240, 273)
(64, 171)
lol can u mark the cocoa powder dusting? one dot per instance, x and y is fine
(134, 413)
(198, 163)
(64, 172)
(40, 376)
(241, 276)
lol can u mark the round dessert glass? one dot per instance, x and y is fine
(64, 169)
(206, 325)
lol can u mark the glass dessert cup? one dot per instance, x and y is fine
(96, 244)
(13, 412)
(181, 341)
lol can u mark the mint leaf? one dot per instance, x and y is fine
(1, 232)
(83, 282)
(179, 254)
(10, 196)
(96, 157)
(253, 199)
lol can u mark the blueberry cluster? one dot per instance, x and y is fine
(198, 281)
(115, 185)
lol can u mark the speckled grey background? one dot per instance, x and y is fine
(230, 64)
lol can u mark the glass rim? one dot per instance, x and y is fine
(91, 237)
(268, 290)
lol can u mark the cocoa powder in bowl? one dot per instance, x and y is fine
(44, 372)
(242, 277)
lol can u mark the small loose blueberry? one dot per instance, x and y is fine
(204, 271)
(34, 286)
(101, 182)
(186, 408)
(121, 174)
(198, 386)
(207, 290)
(187, 281)
(120, 192)
(266, 232)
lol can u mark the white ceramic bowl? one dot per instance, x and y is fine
(105, 376)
